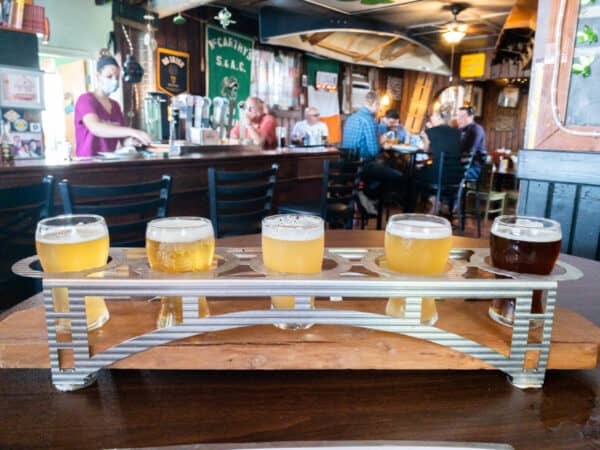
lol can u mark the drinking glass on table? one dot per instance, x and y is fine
(417, 244)
(292, 244)
(176, 245)
(71, 243)
(524, 245)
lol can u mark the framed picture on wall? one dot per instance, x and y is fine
(477, 100)
(509, 97)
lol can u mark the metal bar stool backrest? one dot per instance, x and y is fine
(339, 193)
(126, 208)
(240, 200)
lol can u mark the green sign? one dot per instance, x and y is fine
(229, 57)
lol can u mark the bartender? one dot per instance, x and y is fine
(261, 125)
(99, 121)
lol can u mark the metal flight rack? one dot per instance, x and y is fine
(348, 272)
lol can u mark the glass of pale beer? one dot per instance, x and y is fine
(177, 245)
(417, 244)
(71, 243)
(524, 245)
(292, 244)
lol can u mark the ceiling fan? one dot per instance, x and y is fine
(454, 31)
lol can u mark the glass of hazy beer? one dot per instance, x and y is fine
(292, 244)
(524, 245)
(71, 243)
(417, 244)
(176, 245)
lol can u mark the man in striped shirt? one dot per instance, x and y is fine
(360, 132)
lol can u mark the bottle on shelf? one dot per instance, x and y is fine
(6, 143)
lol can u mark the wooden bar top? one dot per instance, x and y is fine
(139, 408)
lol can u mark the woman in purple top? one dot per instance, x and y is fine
(99, 121)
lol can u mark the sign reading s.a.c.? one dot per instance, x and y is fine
(173, 71)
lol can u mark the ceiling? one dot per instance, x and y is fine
(416, 24)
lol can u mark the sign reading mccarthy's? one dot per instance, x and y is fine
(229, 57)
(173, 70)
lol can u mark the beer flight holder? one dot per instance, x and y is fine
(347, 273)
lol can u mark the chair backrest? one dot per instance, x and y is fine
(20, 209)
(240, 200)
(126, 208)
(341, 180)
(349, 154)
(450, 170)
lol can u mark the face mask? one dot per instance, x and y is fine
(108, 85)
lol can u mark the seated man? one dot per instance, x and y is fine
(391, 122)
(310, 131)
(261, 125)
(472, 142)
(360, 132)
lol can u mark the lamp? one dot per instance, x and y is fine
(455, 33)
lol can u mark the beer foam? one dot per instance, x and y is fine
(289, 227)
(176, 230)
(529, 233)
(72, 234)
(418, 229)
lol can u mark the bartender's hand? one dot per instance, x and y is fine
(140, 136)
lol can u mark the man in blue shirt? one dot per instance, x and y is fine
(472, 142)
(360, 132)
(391, 122)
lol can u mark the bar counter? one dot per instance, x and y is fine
(299, 177)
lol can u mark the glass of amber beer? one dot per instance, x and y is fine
(417, 244)
(71, 243)
(176, 245)
(524, 245)
(292, 244)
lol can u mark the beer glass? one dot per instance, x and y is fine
(292, 244)
(417, 244)
(176, 245)
(71, 243)
(524, 245)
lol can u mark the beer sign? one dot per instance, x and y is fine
(173, 71)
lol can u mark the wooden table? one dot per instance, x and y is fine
(151, 408)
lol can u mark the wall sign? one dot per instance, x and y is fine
(229, 56)
(173, 71)
(327, 80)
(472, 65)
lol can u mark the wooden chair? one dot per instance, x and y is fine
(20, 210)
(486, 192)
(126, 208)
(240, 200)
(338, 195)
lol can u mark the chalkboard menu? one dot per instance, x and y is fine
(173, 69)
(583, 107)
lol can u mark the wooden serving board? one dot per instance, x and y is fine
(23, 344)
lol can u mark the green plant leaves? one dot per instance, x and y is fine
(587, 36)
(583, 66)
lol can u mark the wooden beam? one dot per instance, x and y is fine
(377, 47)
(385, 55)
(315, 38)
(343, 51)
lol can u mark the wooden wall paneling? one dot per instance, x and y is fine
(563, 208)
(587, 222)
(538, 197)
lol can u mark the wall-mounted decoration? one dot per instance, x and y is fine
(326, 80)
(583, 106)
(228, 55)
(173, 71)
(472, 65)
(477, 100)
(394, 87)
(509, 97)
(506, 120)
(21, 88)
